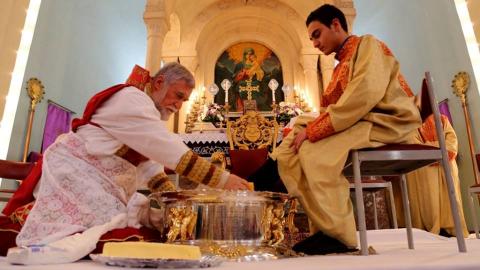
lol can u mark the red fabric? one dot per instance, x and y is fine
(8, 234)
(169, 171)
(24, 193)
(139, 77)
(21, 213)
(286, 131)
(246, 162)
(134, 157)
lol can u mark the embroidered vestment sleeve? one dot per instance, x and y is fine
(198, 169)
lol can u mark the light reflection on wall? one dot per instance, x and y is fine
(11, 100)
(470, 39)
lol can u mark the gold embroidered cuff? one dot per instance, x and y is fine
(160, 182)
(320, 128)
(198, 169)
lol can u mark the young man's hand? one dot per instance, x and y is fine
(236, 183)
(300, 137)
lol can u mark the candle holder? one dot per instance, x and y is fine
(275, 109)
(273, 85)
(226, 84)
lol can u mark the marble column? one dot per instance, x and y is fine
(309, 64)
(191, 63)
(157, 23)
(327, 64)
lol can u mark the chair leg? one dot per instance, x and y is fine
(392, 205)
(406, 209)
(375, 214)
(453, 203)
(473, 213)
(362, 227)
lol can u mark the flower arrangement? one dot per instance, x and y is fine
(213, 113)
(287, 111)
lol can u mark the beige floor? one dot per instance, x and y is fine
(432, 252)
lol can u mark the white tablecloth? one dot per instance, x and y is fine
(207, 136)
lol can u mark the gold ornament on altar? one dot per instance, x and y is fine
(460, 84)
(35, 91)
(252, 131)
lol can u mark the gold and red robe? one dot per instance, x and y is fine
(367, 104)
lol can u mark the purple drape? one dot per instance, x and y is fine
(443, 108)
(57, 122)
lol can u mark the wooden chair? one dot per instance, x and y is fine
(400, 159)
(12, 170)
(474, 191)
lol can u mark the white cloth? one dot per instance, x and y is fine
(84, 184)
(66, 250)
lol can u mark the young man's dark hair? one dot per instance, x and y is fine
(325, 14)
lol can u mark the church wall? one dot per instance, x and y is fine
(427, 36)
(12, 19)
(79, 48)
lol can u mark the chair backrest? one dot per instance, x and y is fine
(252, 131)
(15, 170)
(477, 156)
(425, 106)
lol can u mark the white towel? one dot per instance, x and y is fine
(66, 250)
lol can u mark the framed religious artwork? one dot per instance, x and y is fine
(249, 66)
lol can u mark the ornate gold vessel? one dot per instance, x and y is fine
(240, 225)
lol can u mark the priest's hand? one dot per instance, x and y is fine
(236, 183)
(300, 137)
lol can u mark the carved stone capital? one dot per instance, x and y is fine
(156, 18)
(348, 9)
(158, 29)
(309, 62)
(327, 62)
(190, 62)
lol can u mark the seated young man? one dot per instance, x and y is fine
(367, 103)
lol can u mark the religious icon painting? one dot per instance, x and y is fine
(249, 66)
